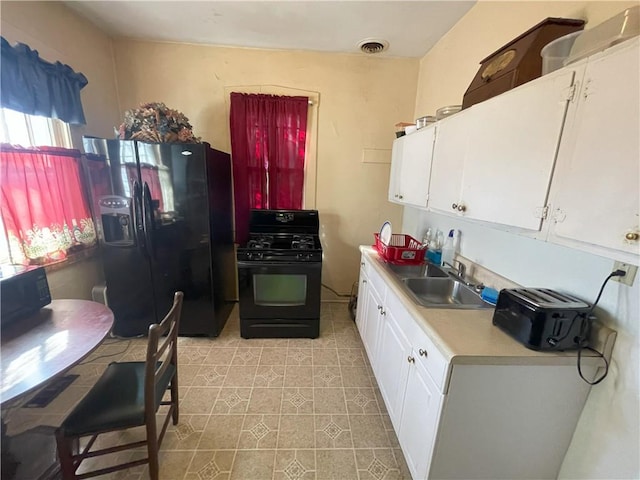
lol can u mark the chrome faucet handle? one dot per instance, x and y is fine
(460, 270)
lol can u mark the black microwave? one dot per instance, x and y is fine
(23, 291)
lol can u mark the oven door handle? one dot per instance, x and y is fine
(260, 264)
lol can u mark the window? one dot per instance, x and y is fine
(31, 131)
(44, 214)
(268, 140)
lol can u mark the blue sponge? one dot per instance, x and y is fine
(490, 295)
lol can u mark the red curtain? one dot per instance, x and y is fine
(44, 209)
(268, 136)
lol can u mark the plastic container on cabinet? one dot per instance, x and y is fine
(556, 52)
(617, 29)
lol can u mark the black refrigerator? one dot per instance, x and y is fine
(163, 216)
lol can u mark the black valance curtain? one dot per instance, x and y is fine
(34, 86)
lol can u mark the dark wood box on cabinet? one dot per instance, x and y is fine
(518, 62)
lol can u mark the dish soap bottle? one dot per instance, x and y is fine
(449, 249)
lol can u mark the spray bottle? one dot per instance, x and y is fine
(449, 248)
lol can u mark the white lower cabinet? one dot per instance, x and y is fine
(400, 355)
(412, 397)
(393, 367)
(374, 313)
(370, 312)
(461, 420)
(421, 407)
(363, 283)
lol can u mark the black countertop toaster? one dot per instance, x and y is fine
(543, 319)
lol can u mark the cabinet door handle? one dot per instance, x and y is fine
(364, 281)
(395, 196)
(362, 263)
(422, 352)
(382, 312)
(461, 208)
(400, 197)
(410, 359)
(632, 236)
(454, 206)
(380, 307)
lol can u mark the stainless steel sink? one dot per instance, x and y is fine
(438, 292)
(424, 270)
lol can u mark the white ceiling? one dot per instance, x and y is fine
(410, 27)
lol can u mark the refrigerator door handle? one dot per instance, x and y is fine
(148, 219)
(138, 214)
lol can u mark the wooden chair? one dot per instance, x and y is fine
(127, 395)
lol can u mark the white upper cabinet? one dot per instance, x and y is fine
(411, 167)
(512, 152)
(394, 174)
(449, 154)
(494, 161)
(597, 192)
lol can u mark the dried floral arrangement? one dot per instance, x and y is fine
(155, 122)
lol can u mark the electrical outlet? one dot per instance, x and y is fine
(631, 272)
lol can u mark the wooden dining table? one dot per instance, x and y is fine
(44, 345)
(35, 350)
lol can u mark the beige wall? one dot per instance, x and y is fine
(447, 70)
(60, 35)
(606, 442)
(77, 280)
(359, 101)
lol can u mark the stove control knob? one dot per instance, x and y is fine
(258, 255)
(249, 255)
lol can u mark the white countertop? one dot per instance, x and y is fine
(469, 336)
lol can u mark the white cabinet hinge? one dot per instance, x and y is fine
(541, 212)
(569, 93)
(559, 215)
(586, 91)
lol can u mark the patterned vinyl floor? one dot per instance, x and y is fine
(259, 409)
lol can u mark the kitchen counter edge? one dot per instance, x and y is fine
(468, 337)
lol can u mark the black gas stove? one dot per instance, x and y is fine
(281, 247)
(279, 275)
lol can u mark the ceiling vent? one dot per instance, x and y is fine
(372, 45)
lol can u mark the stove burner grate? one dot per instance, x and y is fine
(302, 242)
(260, 242)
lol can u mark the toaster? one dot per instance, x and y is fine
(543, 319)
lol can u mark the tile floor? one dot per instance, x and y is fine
(259, 409)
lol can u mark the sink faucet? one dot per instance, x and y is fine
(459, 274)
(460, 271)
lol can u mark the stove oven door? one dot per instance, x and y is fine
(279, 291)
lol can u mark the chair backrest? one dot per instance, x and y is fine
(162, 355)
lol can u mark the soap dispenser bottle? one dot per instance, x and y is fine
(426, 240)
(449, 249)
